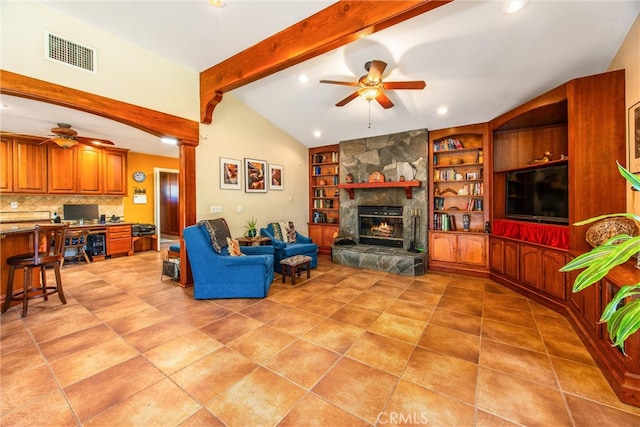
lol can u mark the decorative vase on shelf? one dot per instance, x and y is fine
(466, 221)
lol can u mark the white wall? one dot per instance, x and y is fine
(628, 57)
(237, 132)
(125, 72)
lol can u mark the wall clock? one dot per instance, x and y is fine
(139, 176)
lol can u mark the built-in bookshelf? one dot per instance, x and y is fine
(324, 195)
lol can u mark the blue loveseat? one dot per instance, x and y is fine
(302, 246)
(220, 275)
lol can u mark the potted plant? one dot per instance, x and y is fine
(252, 231)
(622, 314)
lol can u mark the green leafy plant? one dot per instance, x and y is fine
(252, 231)
(622, 314)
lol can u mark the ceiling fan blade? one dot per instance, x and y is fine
(376, 68)
(93, 141)
(384, 101)
(349, 98)
(45, 141)
(416, 84)
(334, 82)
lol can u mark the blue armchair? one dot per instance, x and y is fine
(220, 275)
(302, 246)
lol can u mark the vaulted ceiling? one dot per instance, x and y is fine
(477, 61)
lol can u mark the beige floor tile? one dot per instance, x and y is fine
(513, 302)
(27, 386)
(164, 403)
(372, 301)
(157, 334)
(136, 321)
(77, 341)
(428, 286)
(313, 411)
(21, 360)
(398, 327)
(485, 419)
(420, 297)
(321, 306)
(451, 342)
(265, 310)
(511, 334)
(520, 401)
(303, 362)
(355, 315)
(443, 373)
(18, 340)
(473, 308)
(412, 404)
(526, 364)
(203, 315)
(357, 388)
(466, 323)
(202, 418)
(523, 318)
(589, 413)
(60, 322)
(116, 384)
(387, 354)
(474, 284)
(231, 327)
(174, 355)
(411, 310)
(260, 398)
(52, 408)
(341, 294)
(464, 293)
(334, 335)
(262, 343)
(296, 322)
(206, 378)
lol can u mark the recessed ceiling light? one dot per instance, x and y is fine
(169, 140)
(513, 6)
(216, 3)
(442, 110)
(317, 133)
(303, 78)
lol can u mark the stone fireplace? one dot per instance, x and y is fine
(400, 156)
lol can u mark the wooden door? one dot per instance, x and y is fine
(553, 281)
(530, 266)
(169, 204)
(512, 260)
(443, 247)
(472, 250)
(496, 255)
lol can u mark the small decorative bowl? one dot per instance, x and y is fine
(456, 161)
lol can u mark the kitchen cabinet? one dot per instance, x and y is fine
(458, 251)
(24, 165)
(62, 170)
(90, 170)
(115, 172)
(119, 240)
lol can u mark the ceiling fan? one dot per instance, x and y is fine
(371, 86)
(66, 137)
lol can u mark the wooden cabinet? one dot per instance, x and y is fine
(62, 170)
(24, 166)
(119, 240)
(90, 170)
(457, 251)
(28, 167)
(324, 195)
(457, 189)
(539, 269)
(115, 172)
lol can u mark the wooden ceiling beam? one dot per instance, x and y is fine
(337, 25)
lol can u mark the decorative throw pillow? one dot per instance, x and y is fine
(218, 231)
(279, 231)
(291, 233)
(233, 247)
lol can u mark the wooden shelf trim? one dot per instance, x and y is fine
(534, 166)
(407, 185)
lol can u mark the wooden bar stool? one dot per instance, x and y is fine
(76, 240)
(48, 251)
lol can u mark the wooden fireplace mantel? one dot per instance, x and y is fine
(407, 185)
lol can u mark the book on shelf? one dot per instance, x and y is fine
(448, 144)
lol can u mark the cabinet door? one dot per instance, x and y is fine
(472, 250)
(530, 265)
(115, 172)
(6, 165)
(496, 255)
(89, 171)
(61, 170)
(442, 247)
(553, 281)
(30, 167)
(511, 260)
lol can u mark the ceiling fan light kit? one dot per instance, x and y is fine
(66, 137)
(371, 86)
(64, 142)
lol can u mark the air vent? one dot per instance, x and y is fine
(70, 53)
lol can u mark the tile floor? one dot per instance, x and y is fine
(347, 347)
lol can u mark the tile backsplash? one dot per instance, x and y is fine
(38, 207)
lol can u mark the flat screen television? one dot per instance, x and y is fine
(78, 212)
(540, 195)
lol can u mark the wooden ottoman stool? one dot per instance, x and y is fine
(292, 265)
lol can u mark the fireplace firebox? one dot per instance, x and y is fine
(381, 225)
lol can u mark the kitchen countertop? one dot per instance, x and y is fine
(24, 227)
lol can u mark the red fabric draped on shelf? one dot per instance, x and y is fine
(544, 234)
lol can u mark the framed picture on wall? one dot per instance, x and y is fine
(230, 174)
(255, 172)
(634, 138)
(276, 173)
